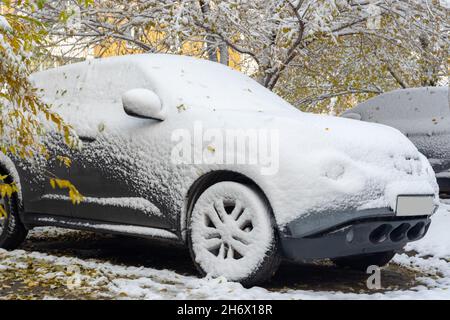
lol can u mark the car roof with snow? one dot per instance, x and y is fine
(413, 111)
(177, 80)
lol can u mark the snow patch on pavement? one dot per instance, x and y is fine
(148, 283)
(128, 282)
(437, 241)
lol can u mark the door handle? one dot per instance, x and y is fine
(87, 139)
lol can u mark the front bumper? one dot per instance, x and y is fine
(320, 236)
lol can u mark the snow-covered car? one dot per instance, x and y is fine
(334, 188)
(423, 115)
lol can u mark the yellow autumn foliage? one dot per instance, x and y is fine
(21, 109)
(6, 190)
(74, 195)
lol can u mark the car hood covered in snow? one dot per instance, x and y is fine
(335, 164)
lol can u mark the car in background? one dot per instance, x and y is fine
(423, 115)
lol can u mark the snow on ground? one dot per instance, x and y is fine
(437, 241)
(54, 272)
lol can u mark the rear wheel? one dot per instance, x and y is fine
(232, 234)
(362, 262)
(12, 231)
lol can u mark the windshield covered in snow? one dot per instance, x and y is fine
(180, 82)
(198, 83)
(413, 111)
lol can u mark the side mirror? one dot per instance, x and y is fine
(144, 104)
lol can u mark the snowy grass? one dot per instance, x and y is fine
(107, 280)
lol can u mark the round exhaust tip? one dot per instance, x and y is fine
(380, 234)
(399, 233)
(417, 231)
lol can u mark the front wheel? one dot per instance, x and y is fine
(232, 234)
(362, 262)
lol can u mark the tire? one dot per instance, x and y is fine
(232, 234)
(12, 231)
(362, 262)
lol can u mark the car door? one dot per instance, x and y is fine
(106, 169)
(114, 188)
(61, 89)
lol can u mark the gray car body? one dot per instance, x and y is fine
(130, 185)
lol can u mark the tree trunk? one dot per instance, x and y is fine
(211, 49)
(429, 77)
(224, 56)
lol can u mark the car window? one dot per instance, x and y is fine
(88, 95)
(416, 110)
(409, 104)
(184, 82)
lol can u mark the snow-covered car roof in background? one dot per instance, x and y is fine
(178, 80)
(413, 111)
